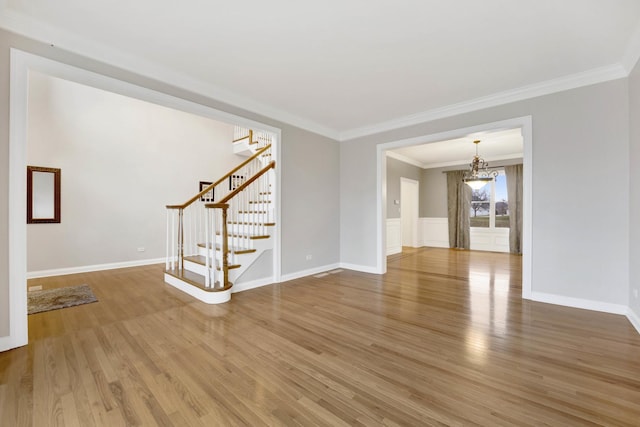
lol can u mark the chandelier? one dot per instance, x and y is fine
(479, 173)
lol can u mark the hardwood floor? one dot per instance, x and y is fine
(442, 339)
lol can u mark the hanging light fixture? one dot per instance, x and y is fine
(479, 174)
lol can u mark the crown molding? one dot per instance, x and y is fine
(586, 78)
(404, 159)
(60, 38)
(512, 156)
(71, 42)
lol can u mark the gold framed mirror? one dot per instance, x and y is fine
(43, 195)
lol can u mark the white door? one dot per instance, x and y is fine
(409, 193)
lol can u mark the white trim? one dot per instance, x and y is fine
(579, 303)
(405, 159)
(381, 214)
(277, 196)
(526, 126)
(634, 319)
(245, 286)
(309, 272)
(489, 239)
(586, 78)
(200, 294)
(361, 268)
(527, 201)
(434, 227)
(90, 268)
(513, 156)
(21, 64)
(394, 245)
(18, 333)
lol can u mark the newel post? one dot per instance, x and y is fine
(225, 247)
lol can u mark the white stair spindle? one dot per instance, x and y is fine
(207, 276)
(166, 258)
(173, 239)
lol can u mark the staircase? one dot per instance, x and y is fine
(214, 237)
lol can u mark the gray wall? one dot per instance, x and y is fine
(310, 189)
(580, 249)
(634, 194)
(397, 169)
(433, 188)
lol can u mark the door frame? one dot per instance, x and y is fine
(21, 64)
(525, 124)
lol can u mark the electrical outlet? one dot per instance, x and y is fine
(141, 249)
(635, 293)
(309, 257)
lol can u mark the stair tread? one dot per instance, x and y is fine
(266, 224)
(250, 236)
(196, 279)
(234, 250)
(202, 260)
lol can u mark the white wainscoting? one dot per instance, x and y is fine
(484, 239)
(394, 236)
(433, 232)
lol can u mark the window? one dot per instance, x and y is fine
(490, 205)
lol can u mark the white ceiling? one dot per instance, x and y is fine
(497, 145)
(346, 68)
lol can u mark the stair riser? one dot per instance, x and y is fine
(260, 246)
(202, 270)
(268, 217)
(246, 229)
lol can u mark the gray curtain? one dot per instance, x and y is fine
(458, 207)
(514, 193)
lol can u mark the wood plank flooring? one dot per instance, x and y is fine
(442, 339)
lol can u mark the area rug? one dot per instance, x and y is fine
(53, 299)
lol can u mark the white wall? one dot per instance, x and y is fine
(580, 248)
(122, 161)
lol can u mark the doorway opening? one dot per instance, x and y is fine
(426, 234)
(22, 65)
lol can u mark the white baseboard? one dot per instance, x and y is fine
(90, 268)
(309, 272)
(634, 319)
(10, 342)
(580, 303)
(252, 284)
(394, 250)
(361, 268)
